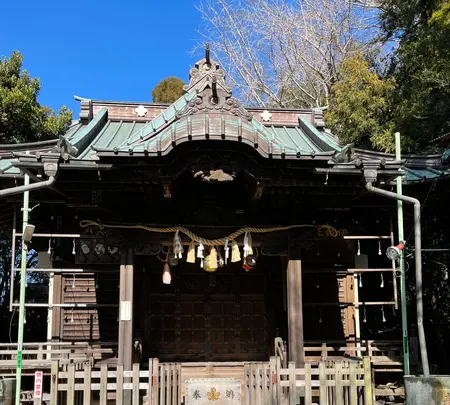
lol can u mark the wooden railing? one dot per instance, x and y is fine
(336, 383)
(40, 355)
(159, 385)
(327, 383)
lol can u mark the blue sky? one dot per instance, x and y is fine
(106, 50)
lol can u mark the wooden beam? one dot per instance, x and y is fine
(56, 311)
(295, 308)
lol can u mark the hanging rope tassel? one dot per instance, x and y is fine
(235, 253)
(227, 251)
(200, 250)
(191, 253)
(167, 275)
(248, 250)
(177, 245)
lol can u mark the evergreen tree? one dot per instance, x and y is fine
(420, 67)
(359, 106)
(22, 118)
(168, 90)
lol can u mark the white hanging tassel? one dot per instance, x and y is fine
(246, 248)
(49, 251)
(221, 261)
(365, 316)
(360, 280)
(379, 248)
(73, 248)
(200, 255)
(317, 282)
(177, 245)
(382, 315)
(249, 244)
(227, 251)
(320, 316)
(72, 320)
(73, 282)
(167, 275)
(382, 281)
(358, 253)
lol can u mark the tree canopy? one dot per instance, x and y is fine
(359, 106)
(168, 90)
(22, 118)
(420, 66)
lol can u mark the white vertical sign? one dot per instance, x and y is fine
(38, 383)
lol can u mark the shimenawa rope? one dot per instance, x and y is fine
(210, 242)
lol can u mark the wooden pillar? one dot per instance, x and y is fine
(57, 294)
(126, 310)
(295, 308)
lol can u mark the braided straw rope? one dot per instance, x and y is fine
(209, 242)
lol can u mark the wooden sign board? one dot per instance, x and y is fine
(38, 386)
(219, 391)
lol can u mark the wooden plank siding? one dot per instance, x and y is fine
(90, 324)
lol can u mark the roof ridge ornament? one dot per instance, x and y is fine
(64, 148)
(206, 68)
(213, 95)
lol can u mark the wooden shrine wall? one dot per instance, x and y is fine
(202, 316)
(90, 324)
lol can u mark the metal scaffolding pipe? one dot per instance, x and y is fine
(418, 266)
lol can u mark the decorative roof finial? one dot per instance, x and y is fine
(207, 53)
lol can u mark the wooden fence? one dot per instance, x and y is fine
(38, 356)
(324, 383)
(160, 384)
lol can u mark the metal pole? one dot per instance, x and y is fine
(418, 265)
(401, 236)
(23, 280)
(13, 261)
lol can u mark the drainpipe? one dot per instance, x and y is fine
(418, 265)
(28, 187)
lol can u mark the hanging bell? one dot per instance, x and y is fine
(172, 259)
(249, 263)
(191, 253)
(167, 275)
(210, 263)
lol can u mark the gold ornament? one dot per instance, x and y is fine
(210, 263)
(191, 253)
(235, 253)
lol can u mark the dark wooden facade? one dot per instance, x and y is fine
(122, 167)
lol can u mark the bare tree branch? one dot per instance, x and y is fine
(284, 53)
